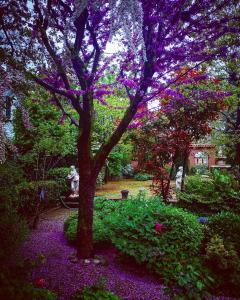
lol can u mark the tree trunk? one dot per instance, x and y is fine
(185, 158)
(85, 218)
(170, 174)
(237, 157)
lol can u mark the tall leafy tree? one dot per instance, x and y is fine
(48, 142)
(70, 38)
(184, 116)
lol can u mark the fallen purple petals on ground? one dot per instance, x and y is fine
(65, 277)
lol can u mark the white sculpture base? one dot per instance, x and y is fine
(73, 196)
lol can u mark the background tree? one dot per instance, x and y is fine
(49, 141)
(184, 116)
(71, 37)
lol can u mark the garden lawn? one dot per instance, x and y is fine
(113, 188)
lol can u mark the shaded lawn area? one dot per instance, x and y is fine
(113, 188)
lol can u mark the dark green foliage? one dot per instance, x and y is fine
(221, 257)
(102, 208)
(70, 227)
(48, 142)
(211, 195)
(60, 176)
(13, 230)
(13, 286)
(10, 175)
(142, 176)
(199, 170)
(100, 178)
(95, 292)
(115, 164)
(119, 157)
(171, 253)
(28, 196)
(227, 226)
(222, 251)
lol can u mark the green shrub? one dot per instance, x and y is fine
(199, 170)
(142, 177)
(224, 262)
(58, 173)
(134, 224)
(102, 208)
(165, 238)
(60, 176)
(13, 230)
(220, 192)
(95, 292)
(100, 178)
(220, 257)
(227, 226)
(10, 175)
(13, 285)
(222, 251)
(28, 196)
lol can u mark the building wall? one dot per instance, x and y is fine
(206, 148)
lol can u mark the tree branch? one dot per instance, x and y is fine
(59, 104)
(80, 24)
(54, 90)
(97, 52)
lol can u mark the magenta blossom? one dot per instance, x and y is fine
(159, 227)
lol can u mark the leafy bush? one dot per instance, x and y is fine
(142, 177)
(94, 292)
(28, 196)
(97, 291)
(13, 230)
(227, 226)
(211, 195)
(115, 164)
(199, 170)
(100, 178)
(223, 251)
(224, 262)
(10, 175)
(102, 208)
(60, 175)
(14, 285)
(164, 238)
(219, 257)
(174, 172)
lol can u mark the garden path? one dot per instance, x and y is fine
(65, 277)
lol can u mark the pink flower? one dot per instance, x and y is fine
(159, 227)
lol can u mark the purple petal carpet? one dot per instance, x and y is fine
(65, 277)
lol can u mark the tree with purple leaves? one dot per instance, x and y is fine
(61, 45)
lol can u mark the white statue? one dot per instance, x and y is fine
(74, 177)
(179, 177)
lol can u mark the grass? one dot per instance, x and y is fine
(113, 189)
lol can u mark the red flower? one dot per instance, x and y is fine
(40, 283)
(159, 227)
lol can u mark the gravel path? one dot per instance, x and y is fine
(65, 277)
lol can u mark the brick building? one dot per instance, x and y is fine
(202, 154)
